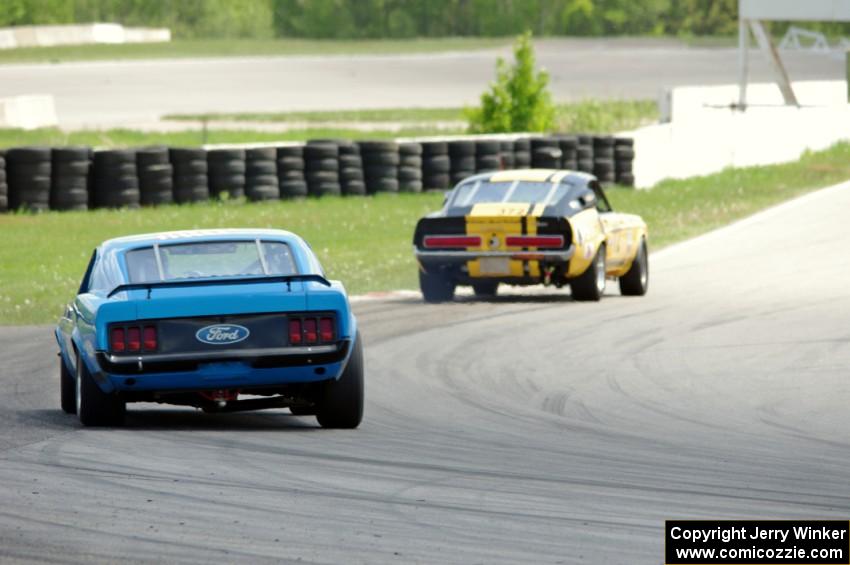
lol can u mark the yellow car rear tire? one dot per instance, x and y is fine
(636, 281)
(485, 289)
(436, 287)
(590, 285)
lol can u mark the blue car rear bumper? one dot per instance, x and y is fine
(252, 371)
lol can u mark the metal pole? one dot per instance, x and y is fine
(743, 62)
(779, 72)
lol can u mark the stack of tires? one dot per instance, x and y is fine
(321, 163)
(380, 165)
(69, 172)
(624, 156)
(462, 158)
(156, 176)
(4, 187)
(506, 154)
(190, 174)
(545, 153)
(351, 177)
(410, 167)
(435, 165)
(584, 154)
(115, 179)
(261, 181)
(522, 153)
(226, 173)
(488, 155)
(290, 171)
(568, 144)
(28, 177)
(603, 158)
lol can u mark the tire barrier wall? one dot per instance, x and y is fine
(261, 181)
(410, 167)
(191, 183)
(488, 155)
(380, 165)
(290, 172)
(351, 177)
(28, 177)
(70, 173)
(4, 187)
(115, 179)
(156, 176)
(461, 160)
(226, 173)
(76, 178)
(624, 156)
(321, 168)
(436, 166)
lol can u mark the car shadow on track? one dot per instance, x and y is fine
(498, 299)
(516, 299)
(187, 419)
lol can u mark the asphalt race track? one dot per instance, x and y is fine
(131, 93)
(528, 429)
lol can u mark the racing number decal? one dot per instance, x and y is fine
(493, 222)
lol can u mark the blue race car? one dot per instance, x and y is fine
(200, 318)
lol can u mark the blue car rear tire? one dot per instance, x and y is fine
(95, 407)
(341, 402)
(67, 389)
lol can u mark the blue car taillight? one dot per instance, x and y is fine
(311, 330)
(295, 331)
(149, 338)
(310, 334)
(133, 339)
(117, 340)
(326, 329)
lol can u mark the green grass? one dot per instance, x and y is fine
(588, 116)
(592, 116)
(134, 138)
(242, 48)
(379, 115)
(605, 116)
(365, 241)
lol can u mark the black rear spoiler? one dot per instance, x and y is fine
(287, 279)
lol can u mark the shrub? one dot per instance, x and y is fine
(519, 99)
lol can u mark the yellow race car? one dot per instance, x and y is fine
(529, 227)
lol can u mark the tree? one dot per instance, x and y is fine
(519, 99)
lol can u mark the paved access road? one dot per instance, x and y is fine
(137, 93)
(528, 429)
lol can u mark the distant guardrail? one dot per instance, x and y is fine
(79, 178)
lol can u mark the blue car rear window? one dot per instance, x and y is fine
(209, 259)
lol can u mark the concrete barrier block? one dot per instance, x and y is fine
(28, 112)
(25, 36)
(7, 39)
(706, 135)
(79, 34)
(108, 33)
(62, 35)
(146, 35)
